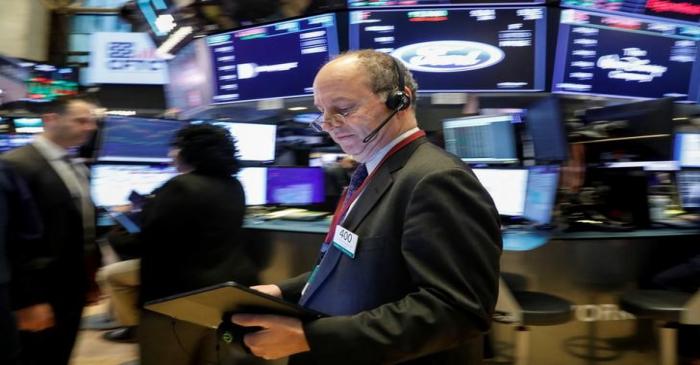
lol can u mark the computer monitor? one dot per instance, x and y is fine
(28, 125)
(546, 127)
(111, 184)
(254, 181)
(271, 61)
(637, 131)
(689, 189)
(681, 10)
(48, 82)
(132, 139)
(423, 3)
(540, 198)
(610, 55)
(481, 139)
(295, 185)
(323, 159)
(686, 147)
(255, 142)
(507, 188)
(11, 141)
(460, 49)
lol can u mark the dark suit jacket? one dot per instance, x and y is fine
(59, 253)
(191, 236)
(424, 280)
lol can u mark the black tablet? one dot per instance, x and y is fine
(206, 306)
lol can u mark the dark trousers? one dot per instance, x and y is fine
(53, 346)
(9, 338)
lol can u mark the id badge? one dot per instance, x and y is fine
(345, 241)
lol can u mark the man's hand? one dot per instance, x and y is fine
(279, 337)
(270, 289)
(35, 318)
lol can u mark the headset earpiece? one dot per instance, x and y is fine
(398, 100)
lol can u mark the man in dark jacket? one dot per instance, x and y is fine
(409, 271)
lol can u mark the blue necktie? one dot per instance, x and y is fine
(356, 180)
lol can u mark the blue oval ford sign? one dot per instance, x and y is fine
(448, 56)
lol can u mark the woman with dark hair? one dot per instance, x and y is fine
(191, 238)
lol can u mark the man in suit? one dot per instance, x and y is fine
(410, 272)
(19, 226)
(48, 315)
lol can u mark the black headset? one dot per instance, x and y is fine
(398, 100)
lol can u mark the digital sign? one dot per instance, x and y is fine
(460, 50)
(684, 10)
(272, 61)
(125, 58)
(628, 57)
(417, 3)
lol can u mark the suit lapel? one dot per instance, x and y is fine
(371, 195)
(54, 183)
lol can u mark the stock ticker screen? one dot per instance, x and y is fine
(673, 9)
(137, 139)
(623, 56)
(417, 3)
(276, 60)
(458, 49)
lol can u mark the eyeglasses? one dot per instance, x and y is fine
(341, 117)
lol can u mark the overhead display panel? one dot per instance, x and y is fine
(460, 49)
(626, 57)
(271, 61)
(684, 10)
(417, 3)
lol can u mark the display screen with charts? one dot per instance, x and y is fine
(132, 139)
(112, 184)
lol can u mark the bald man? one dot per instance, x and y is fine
(409, 270)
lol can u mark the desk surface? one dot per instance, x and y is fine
(513, 240)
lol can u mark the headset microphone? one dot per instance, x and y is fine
(397, 101)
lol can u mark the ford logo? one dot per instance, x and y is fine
(448, 56)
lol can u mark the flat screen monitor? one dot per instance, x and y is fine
(295, 185)
(9, 142)
(324, 159)
(546, 127)
(541, 192)
(689, 189)
(687, 149)
(137, 139)
(271, 61)
(421, 3)
(683, 10)
(5, 126)
(190, 82)
(481, 139)
(507, 188)
(460, 49)
(254, 181)
(111, 184)
(609, 55)
(28, 125)
(255, 142)
(47, 82)
(637, 131)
